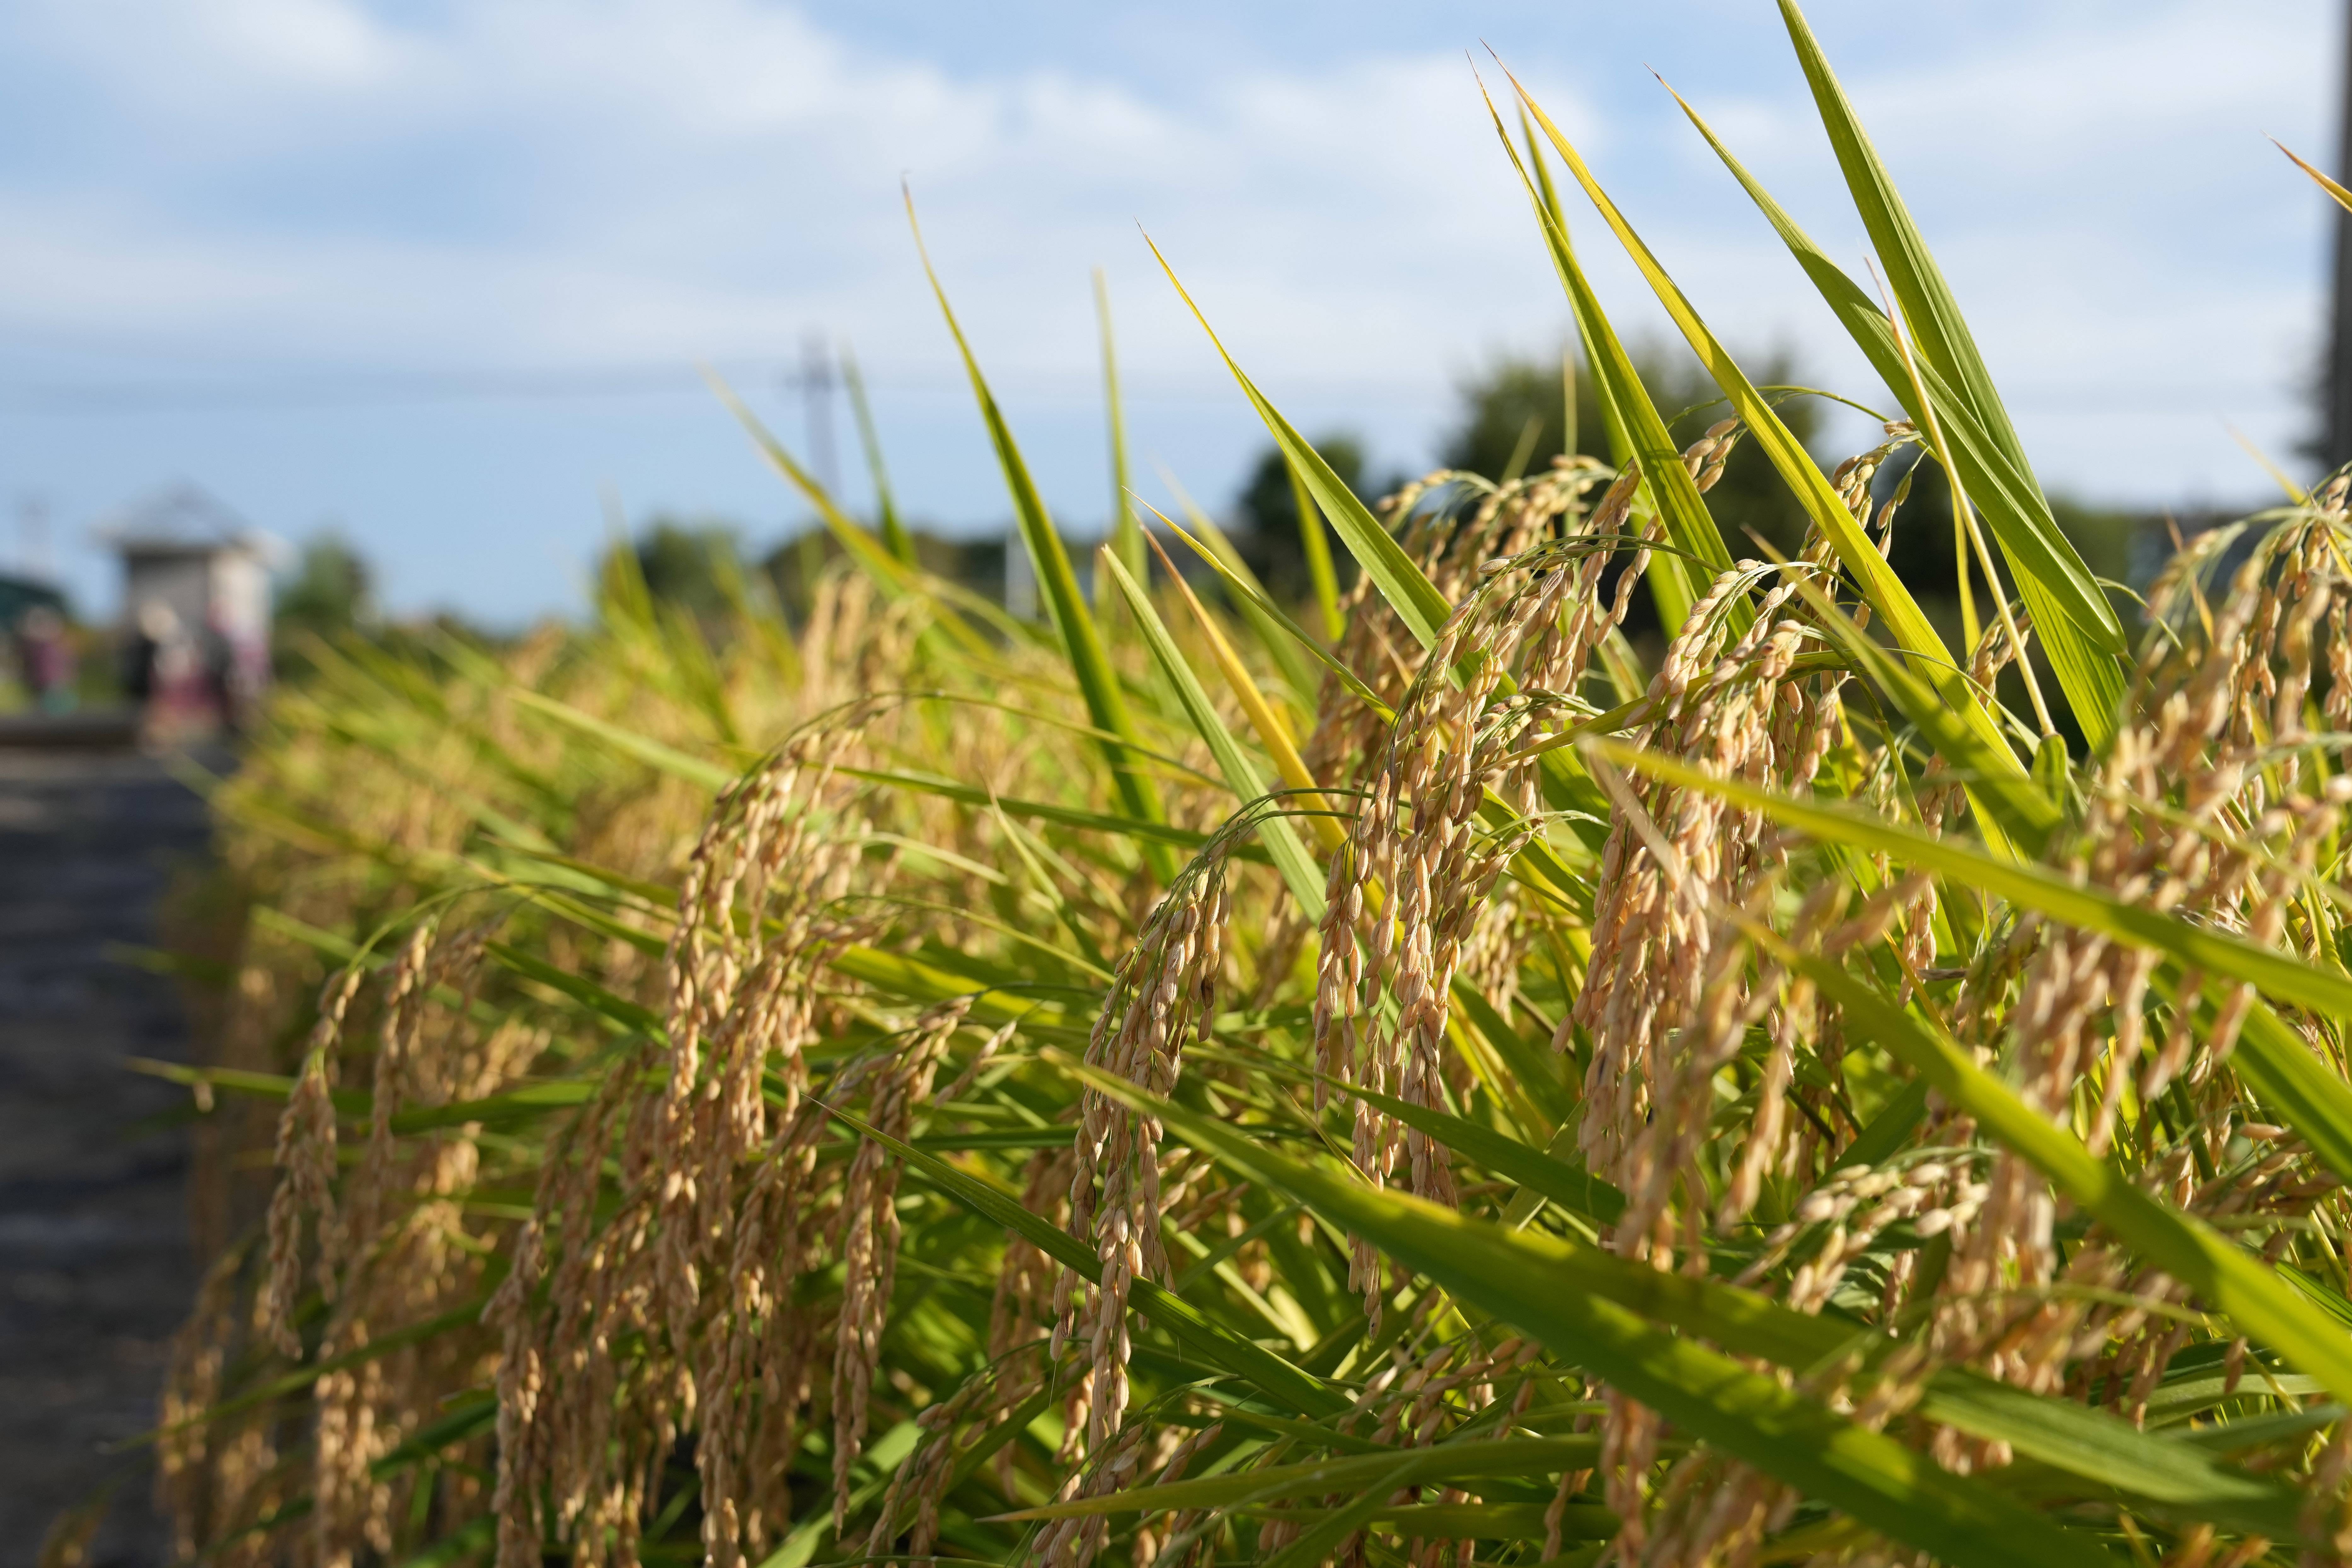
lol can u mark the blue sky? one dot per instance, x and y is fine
(440, 273)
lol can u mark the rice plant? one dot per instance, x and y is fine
(1162, 1085)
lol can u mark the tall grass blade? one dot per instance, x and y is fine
(1968, 551)
(1036, 810)
(1401, 582)
(1126, 532)
(1318, 1544)
(1574, 1189)
(2012, 812)
(1538, 1072)
(1105, 703)
(652, 752)
(1499, 1458)
(887, 569)
(1879, 584)
(1546, 197)
(1294, 652)
(2057, 586)
(1636, 429)
(1911, 270)
(1321, 575)
(1298, 871)
(1201, 1333)
(2077, 625)
(1272, 732)
(2093, 1447)
(895, 537)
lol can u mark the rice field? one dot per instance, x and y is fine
(1407, 1076)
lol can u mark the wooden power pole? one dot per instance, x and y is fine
(817, 381)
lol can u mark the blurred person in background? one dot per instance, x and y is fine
(164, 672)
(44, 653)
(223, 684)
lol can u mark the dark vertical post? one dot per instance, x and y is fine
(816, 385)
(2339, 347)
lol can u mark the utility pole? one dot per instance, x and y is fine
(2339, 347)
(816, 379)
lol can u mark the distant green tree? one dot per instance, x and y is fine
(1267, 504)
(1267, 515)
(1512, 396)
(1515, 400)
(690, 562)
(330, 593)
(1515, 407)
(2115, 542)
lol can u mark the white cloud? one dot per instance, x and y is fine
(225, 61)
(683, 176)
(535, 182)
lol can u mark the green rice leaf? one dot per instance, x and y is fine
(2011, 809)
(650, 751)
(1290, 648)
(2315, 1101)
(1297, 867)
(1889, 1130)
(1126, 533)
(1536, 1069)
(624, 1013)
(2102, 1452)
(1105, 703)
(915, 981)
(1318, 551)
(1879, 582)
(1399, 580)
(527, 1103)
(1317, 1545)
(1571, 1187)
(1381, 1472)
(1192, 1329)
(2182, 1245)
(2277, 1064)
(887, 569)
(1555, 222)
(1494, 1522)
(2077, 625)
(895, 537)
(1650, 446)
(1911, 272)
(1541, 1285)
(1263, 612)
(2069, 608)
(1033, 810)
(2093, 1446)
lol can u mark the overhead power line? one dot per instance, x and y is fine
(331, 389)
(808, 378)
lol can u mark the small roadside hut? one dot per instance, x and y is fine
(196, 599)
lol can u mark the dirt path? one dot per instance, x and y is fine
(94, 1264)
